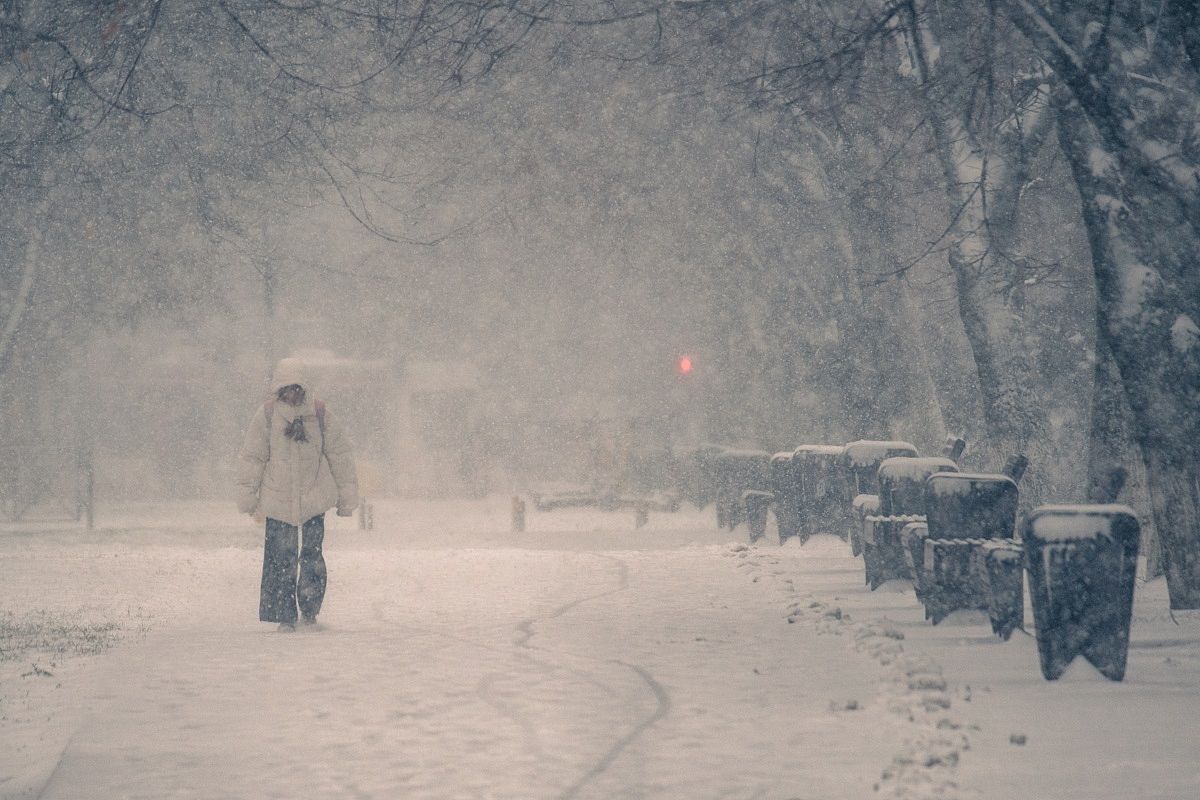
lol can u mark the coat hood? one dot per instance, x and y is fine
(287, 372)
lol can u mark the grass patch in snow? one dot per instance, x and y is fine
(55, 634)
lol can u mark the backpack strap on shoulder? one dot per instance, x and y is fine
(319, 406)
(269, 411)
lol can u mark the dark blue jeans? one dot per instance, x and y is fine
(282, 553)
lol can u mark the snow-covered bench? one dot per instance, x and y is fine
(821, 480)
(901, 501)
(1082, 563)
(862, 506)
(996, 569)
(860, 462)
(755, 503)
(736, 472)
(697, 474)
(964, 511)
(785, 486)
(1003, 576)
(912, 545)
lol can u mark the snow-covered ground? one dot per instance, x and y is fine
(582, 659)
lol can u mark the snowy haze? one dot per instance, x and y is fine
(569, 226)
(495, 234)
(571, 251)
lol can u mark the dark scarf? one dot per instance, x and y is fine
(294, 430)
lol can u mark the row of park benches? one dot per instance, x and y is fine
(953, 534)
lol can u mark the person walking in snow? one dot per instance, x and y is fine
(294, 466)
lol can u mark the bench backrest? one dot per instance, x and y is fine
(783, 478)
(863, 458)
(698, 474)
(820, 449)
(865, 504)
(739, 470)
(970, 506)
(902, 483)
(1067, 524)
(820, 472)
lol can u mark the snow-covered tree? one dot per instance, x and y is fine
(1129, 116)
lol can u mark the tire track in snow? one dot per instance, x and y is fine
(486, 688)
(661, 696)
(663, 705)
(663, 699)
(58, 763)
(526, 625)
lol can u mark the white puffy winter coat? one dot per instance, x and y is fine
(294, 481)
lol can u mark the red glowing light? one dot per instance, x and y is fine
(685, 365)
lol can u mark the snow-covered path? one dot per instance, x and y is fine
(490, 673)
(583, 659)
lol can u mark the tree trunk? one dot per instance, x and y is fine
(1013, 416)
(1108, 430)
(23, 291)
(855, 371)
(1143, 318)
(892, 388)
(1175, 497)
(909, 404)
(1111, 447)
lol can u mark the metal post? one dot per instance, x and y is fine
(89, 489)
(518, 515)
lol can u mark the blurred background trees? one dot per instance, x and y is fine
(872, 219)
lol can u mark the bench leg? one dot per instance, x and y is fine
(1006, 596)
(935, 607)
(953, 581)
(870, 566)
